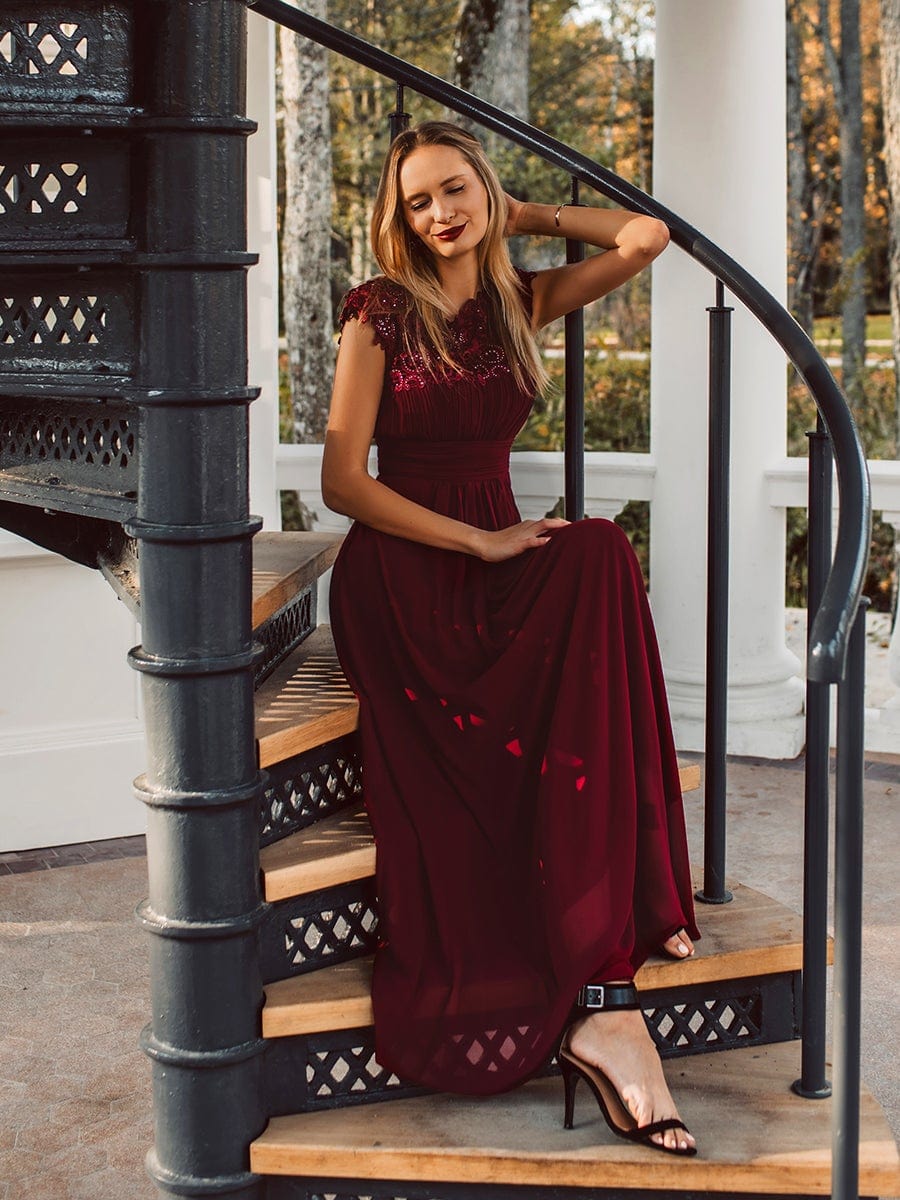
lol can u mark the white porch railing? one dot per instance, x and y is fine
(611, 480)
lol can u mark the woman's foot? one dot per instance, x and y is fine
(619, 1043)
(679, 945)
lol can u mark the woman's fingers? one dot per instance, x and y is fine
(528, 535)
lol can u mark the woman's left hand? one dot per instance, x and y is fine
(513, 209)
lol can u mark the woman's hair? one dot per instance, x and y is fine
(407, 261)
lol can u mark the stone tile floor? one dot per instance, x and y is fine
(75, 1117)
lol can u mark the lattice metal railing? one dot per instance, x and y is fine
(285, 630)
(319, 929)
(341, 1067)
(47, 325)
(69, 52)
(50, 189)
(310, 786)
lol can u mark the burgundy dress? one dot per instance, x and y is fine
(520, 773)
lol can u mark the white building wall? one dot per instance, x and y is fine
(71, 738)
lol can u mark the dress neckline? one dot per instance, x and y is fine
(472, 300)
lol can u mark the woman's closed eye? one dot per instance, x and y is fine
(419, 205)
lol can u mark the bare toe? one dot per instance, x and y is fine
(679, 945)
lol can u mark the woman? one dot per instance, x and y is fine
(519, 768)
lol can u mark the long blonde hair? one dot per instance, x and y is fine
(405, 260)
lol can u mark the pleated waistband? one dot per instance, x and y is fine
(451, 462)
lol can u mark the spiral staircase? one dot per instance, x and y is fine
(123, 445)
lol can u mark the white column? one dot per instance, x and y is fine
(262, 298)
(719, 161)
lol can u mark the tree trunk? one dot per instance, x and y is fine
(846, 74)
(492, 52)
(890, 91)
(306, 231)
(890, 87)
(801, 208)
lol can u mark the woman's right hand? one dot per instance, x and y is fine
(500, 544)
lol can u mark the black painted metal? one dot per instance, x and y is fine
(202, 783)
(405, 1189)
(812, 1083)
(574, 451)
(319, 929)
(399, 120)
(285, 630)
(832, 622)
(717, 563)
(89, 543)
(301, 790)
(848, 895)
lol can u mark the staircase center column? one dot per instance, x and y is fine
(720, 161)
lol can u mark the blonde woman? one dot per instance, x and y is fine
(520, 774)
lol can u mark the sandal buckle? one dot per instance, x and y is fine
(592, 995)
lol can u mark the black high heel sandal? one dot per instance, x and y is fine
(596, 998)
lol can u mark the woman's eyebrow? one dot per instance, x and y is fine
(443, 183)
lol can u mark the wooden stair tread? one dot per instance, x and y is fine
(293, 865)
(283, 563)
(753, 935)
(304, 702)
(754, 1135)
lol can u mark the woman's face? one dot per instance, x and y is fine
(444, 201)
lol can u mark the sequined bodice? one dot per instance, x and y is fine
(480, 402)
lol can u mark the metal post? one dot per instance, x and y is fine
(812, 1083)
(399, 120)
(714, 890)
(574, 445)
(848, 864)
(202, 781)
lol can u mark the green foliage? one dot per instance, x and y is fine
(616, 407)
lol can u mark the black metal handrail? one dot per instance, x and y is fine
(837, 610)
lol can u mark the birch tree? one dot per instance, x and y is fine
(491, 54)
(890, 77)
(845, 68)
(306, 229)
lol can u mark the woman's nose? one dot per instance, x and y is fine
(444, 212)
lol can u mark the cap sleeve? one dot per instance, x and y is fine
(379, 304)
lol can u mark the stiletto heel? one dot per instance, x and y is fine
(570, 1074)
(596, 998)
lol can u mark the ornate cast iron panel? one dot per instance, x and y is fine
(82, 325)
(49, 448)
(321, 928)
(310, 786)
(339, 1068)
(54, 190)
(286, 1188)
(71, 53)
(285, 630)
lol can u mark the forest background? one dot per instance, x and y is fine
(584, 73)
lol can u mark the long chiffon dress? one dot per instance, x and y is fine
(519, 769)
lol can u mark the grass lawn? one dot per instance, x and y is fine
(878, 328)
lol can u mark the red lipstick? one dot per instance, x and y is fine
(450, 235)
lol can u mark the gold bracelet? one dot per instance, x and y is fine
(556, 214)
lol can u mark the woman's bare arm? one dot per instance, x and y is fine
(348, 488)
(630, 241)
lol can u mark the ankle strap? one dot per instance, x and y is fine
(596, 996)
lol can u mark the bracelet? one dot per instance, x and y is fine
(556, 214)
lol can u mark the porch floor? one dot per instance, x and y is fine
(75, 1116)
